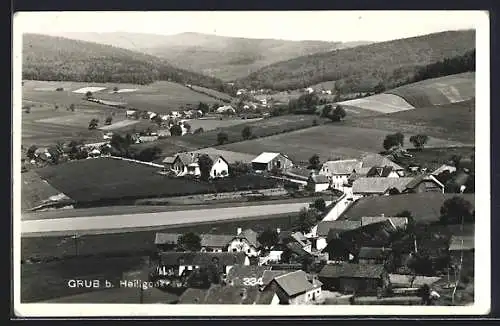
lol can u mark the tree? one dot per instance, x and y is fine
(149, 154)
(88, 94)
(54, 155)
(246, 133)
(108, 120)
(456, 210)
(314, 162)
(455, 159)
(176, 130)
(425, 293)
(157, 119)
(307, 219)
(93, 124)
(379, 88)
(205, 163)
(189, 241)
(222, 137)
(30, 153)
(72, 107)
(268, 238)
(115, 89)
(419, 140)
(392, 140)
(203, 107)
(319, 204)
(187, 126)
(337, 114)
(239, 168)
(198, 131)
(325, 112)
(27, 109)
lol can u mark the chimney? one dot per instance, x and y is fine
(278, 230)
(238, 231)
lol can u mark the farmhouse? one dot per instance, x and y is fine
(384, 172)
(177, 264)
(268, 161)
(246, 275)
(246, 242)
(132, 114)
(371, 160)
(328, 230)
(362, 279)
(424, 183)
(373, 255)
(187, 163)
(226, 109)
(367, 186)
(338, 172)
(295, 288)
(318, 183)
(399, 223)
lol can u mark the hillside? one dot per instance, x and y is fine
(61, 59)
(224, 57)
(362, 68)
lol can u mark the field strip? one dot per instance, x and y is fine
(385, 103)
(91, 89)
(175, 218)
(119, 124)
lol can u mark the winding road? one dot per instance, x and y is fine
(112, 223)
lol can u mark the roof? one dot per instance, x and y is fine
(166, 238)
(186, 158)
(269, 275)
(325, 226)
(371, 160)
(378, 171)
(300, 238)
(203, 258)
(423, 177)
(349, 270)
(294, 283)
(371, 235)
(373, 252)
(408, 281)
(341, 166)
(399, 222)
(379, 185)
(218, 294)
(251, 237)
(456, 243)
(265, 157)
(425, 207)
(169, 159)
(442, 168)
(297, 249)
(215, 240)
(238, 273)
(318, 178)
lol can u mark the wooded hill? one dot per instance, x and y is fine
(61, 59)
(227, 58)
(362, 68)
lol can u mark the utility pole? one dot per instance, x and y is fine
(75, 237)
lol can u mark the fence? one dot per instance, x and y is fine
(135, 161)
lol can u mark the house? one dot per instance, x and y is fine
(132, 114)
(147, 139)
(373, 255)
(163, 133)
(318, 182)
(411, 281)
(371, 160)
(384, 172)
(177, 264)
(246, 275)
(221, 294)
(295, 288)
(424, 183)
(95, 153)
(246, 242)
(328, 230)
(367, 186)
(442, 168)
(461, 243)
(166, 241)
(295, 254)
(151, 115)
(226, 109)
(268, 161)
(339, 171)
(168, 163)
(399, 223)
(361, 279)
(215, 242)
(309, 90)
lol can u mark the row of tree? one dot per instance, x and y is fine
(397, 140)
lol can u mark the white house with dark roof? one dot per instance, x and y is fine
(318, 182)
(268, 161)
(339, 171)
(187, 163)
(245, 241)
(295, 288)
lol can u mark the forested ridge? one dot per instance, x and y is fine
(361, 68)
(61, 59)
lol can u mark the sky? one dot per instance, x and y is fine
(341, 26)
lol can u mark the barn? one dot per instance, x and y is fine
(267, 161)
